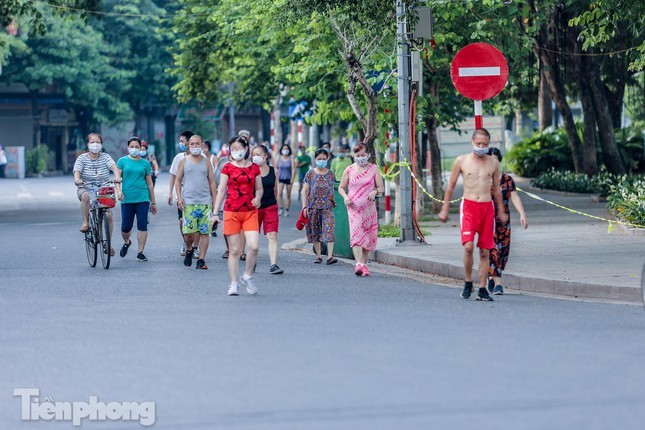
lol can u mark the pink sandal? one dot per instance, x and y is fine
(365, 271)
(358, 270)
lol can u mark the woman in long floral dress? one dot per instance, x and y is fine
(359, 186)
(318, 206)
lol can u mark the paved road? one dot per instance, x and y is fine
(317, 348)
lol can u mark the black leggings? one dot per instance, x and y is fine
(129, 210)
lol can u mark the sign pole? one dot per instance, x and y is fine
(479, 121)
(403, 56)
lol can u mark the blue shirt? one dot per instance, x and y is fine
(134, 187)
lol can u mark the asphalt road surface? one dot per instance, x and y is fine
(317, 348)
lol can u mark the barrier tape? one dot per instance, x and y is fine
(611, 222)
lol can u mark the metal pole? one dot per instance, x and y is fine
(407, 229)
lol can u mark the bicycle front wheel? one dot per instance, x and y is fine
(104, 240)
(90, 240)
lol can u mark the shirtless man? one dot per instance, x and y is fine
(480, 174)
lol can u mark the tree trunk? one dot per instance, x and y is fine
(558, 94)
(35, 115)
(435, 163)
(589, 159)
(545, 112)
(356, 75)
(608, 144)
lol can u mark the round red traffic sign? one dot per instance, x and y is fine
(479, 71)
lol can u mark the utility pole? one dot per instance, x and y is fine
(403, 43)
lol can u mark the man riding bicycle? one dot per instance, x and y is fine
(93, 167)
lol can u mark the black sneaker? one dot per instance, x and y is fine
(491, 284)
(498, 290)
(124, 249)
(201, 265)
(188, 258)
(468, 290)
(275, 270)
(225, 255)
(141, 257)
(483, 295)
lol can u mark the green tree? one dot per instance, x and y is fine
(76, 61)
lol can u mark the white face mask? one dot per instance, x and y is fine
(195, 151)
(285, 152)
(258, 159)
(362, 161)
(480, 151)
(95, 148)
(237, 155)
(134, 152)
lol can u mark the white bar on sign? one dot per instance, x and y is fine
(478, 108)
(479, 71)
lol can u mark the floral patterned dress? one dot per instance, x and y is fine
(321, 221)
(363, 217)
(499, 254)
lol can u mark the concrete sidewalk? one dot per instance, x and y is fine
(561, 253)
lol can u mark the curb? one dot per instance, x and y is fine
(567, 289)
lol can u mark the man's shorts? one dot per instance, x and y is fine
(196, 219)
(479, 218)
(269, 219)
(235, 222)
(180, 214)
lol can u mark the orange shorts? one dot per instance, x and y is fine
(235, 222)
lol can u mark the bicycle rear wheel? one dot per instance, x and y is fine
(90, 240)
(104, 240)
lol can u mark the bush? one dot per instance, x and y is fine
(543, 151)
(577, 182)
(626, 200)
(630, 145)
(36, 159)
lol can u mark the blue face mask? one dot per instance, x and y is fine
(143, 153)
(321, 164)
(182, 147)
(134, 152)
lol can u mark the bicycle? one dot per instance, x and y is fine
(102, 197)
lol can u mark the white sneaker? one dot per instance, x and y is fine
(279, 211)
(183, 250)
(249, 283)
(232, 290)
(196, 253)
(286, 212)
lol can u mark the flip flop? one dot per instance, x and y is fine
(318, 260)
(112, 252)
(331, 260)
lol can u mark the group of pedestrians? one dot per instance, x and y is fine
(242, 191)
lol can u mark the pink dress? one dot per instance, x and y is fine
(363, 217)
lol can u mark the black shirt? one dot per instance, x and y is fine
(268, 184)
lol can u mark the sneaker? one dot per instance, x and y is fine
(201, 264)
(124, 249)
(358, 269)
(141, 257)
(498, 290)
(214, 234)
(468, 290)
(275, 270)
(249, 283)
(491, 285)
(188, 258)
(232, 290)
(183, 250)
(365, 271)
(286, 212)
(196, 253)
(483, 295)
(279, 211)
(225, 255)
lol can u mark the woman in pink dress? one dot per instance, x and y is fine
(359, 186)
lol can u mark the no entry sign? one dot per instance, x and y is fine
(479, 71)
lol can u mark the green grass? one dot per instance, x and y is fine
(391, 230)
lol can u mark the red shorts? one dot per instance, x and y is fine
(479, 218)
(268, 217)
(235, 222)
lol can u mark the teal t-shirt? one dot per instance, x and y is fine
(133, 172)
